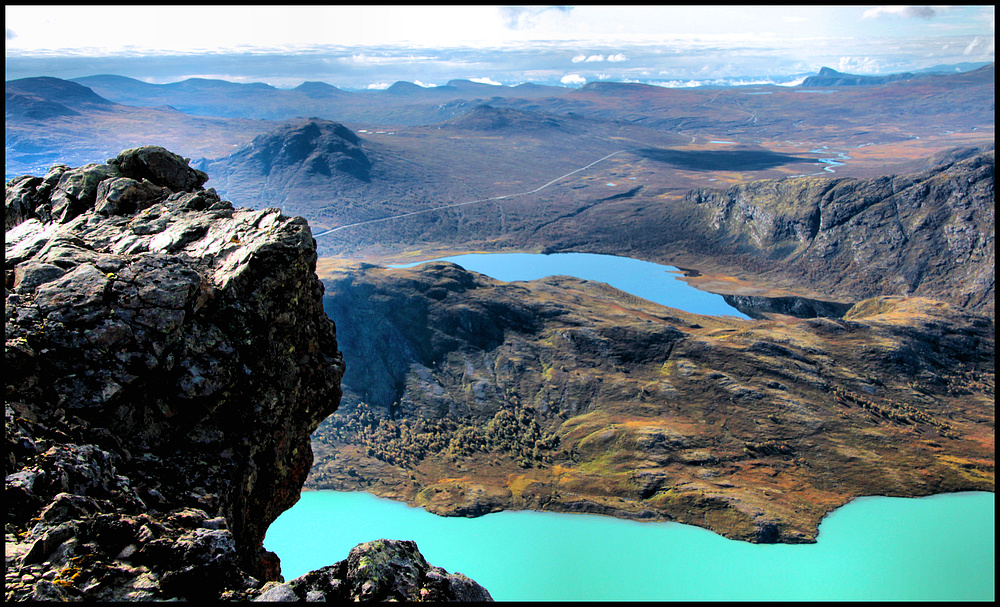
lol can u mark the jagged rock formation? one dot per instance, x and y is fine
(167, 357)
(472, 395)
(383, 570)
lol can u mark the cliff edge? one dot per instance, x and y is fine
(167, 359)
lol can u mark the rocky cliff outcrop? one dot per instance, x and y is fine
(930, 233)
(828, 76)
(167, 358)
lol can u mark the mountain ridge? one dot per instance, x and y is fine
(475, 396)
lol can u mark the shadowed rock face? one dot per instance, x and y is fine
(167, 357)
(928, 234)
(800, 307)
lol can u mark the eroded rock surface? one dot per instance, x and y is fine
(167, 358)
(929, 234)
(381, 570)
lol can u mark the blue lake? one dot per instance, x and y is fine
(652, 281)
(935, 549)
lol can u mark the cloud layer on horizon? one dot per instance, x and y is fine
(585, 43)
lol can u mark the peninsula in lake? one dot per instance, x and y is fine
(850, 217)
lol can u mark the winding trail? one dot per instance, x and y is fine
(462, 204)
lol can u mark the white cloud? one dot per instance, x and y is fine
(424, 84)
(359, 46)
(573, 79)
(581, 58)
(486, 80)
(526, 17)
(858, 65)
(363, 59)
(378, 86)
(972, 46)
(922, 12)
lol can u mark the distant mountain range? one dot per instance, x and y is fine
(45, 98)
(262, 101)
(831, 77)
(513, 169)
(86, 119)
(393, 105)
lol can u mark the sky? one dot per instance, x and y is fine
(360, 47)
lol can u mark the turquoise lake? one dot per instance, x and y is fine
(652, 281)
(892, 549)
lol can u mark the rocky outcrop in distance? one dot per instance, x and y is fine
(306, 167)
(828, 76)
(313, 147)
(758, 307)
(167, 358)
(928, 234)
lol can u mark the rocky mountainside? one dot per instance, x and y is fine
(167, 358)
(472, 395)
(930, 233)
(43, 98)
(318, 146)
(313, 167)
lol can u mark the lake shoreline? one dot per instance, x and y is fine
(877, 548)
(702, 273)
